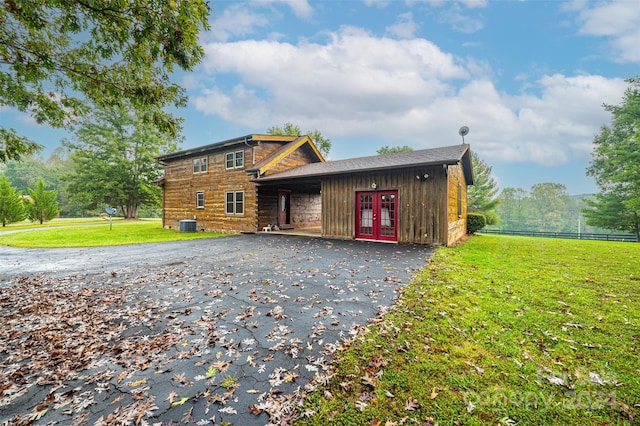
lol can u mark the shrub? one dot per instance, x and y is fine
(475, 222)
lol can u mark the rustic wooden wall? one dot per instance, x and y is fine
(181, 186)
(268, 210)
(421, 204)
(456, 224)
(299, 157)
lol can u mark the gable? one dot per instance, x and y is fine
(296, 153)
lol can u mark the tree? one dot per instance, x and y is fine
(323, 144)
(25, 173)
(513, 208)
(615, 165)
(42, 206)
(552, 204)
(606, 209)
(53, 52)
(11, 208)
(114, 161)
(482, 194)
(393, 149)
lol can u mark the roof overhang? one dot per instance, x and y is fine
(219, 146)
(312, 172)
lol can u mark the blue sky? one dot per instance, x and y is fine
(527, 77)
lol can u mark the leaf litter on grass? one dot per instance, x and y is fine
(502, 326)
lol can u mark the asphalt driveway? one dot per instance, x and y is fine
(232, 329)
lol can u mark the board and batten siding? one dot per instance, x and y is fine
(421, 203)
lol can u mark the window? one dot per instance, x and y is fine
(234, 160)
(235, 202)
(200, 200)
(459, 200)
(200, 165)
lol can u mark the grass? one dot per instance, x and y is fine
(91, 234)
(500, 330)
(66, 221)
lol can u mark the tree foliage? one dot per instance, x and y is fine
(608, 211)
(615, 166)
(114, 161)
(482, 195)
(25, 173)
(42, 206)
(58, 56)
(288, 129)
(475, 222)
(11, 207)
(393, 149)
(547, 207)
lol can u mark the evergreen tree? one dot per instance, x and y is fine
(482, 195)
(11, 208)
(616, 166)
(114, 161)
(43, 205)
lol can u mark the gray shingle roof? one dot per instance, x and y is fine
(200, 150)
(424, 157)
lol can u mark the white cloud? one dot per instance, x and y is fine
(460, 21)
(471, 4)
(405, 27)
(235, 21)
(404, 92)
(619, 21)
(377, 3)
(300, 8)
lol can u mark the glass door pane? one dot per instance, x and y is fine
(387, 215)
(365, 207)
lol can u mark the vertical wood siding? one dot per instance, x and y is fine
(421, 204)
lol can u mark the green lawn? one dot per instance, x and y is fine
(74, 233)
(500, 330)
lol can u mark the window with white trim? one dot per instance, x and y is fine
(234, 160)
(200, 200)
(235, 202)
(200, 165)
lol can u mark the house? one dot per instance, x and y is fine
(247, 183)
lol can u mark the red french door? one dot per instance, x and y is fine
(376, 215)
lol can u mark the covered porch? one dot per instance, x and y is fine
(290, 207)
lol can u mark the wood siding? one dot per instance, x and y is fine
(421, 203)
(181, 186)
(456, 205)
(297, 158)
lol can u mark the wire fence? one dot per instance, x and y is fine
(568, 235)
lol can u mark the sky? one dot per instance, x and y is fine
(528, 78)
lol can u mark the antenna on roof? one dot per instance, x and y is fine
(464, 131)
